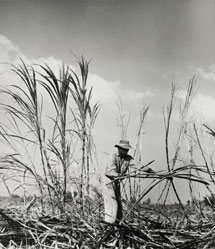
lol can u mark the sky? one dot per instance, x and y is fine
(136, 49)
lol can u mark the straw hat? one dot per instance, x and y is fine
(123, 144)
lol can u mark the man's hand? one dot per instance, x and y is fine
(149, 170)
(170, 178)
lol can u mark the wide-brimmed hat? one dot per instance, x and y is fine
(123, 144)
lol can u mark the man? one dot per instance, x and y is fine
(111, 192)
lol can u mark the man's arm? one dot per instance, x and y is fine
(137, 165)
(111, 171)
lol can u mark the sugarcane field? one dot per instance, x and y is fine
(107, 129)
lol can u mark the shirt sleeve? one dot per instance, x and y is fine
(111, 170)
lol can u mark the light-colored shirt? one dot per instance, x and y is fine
(118, 165)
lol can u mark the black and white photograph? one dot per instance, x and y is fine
(107, 124)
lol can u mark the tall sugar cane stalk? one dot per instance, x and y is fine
(58, 89)
(85, 119)
(181, 134)
(28, 75)
(55, 149)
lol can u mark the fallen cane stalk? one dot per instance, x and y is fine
(141, 168)
(168, 175)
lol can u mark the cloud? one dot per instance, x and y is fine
(207, 75)
(10, 53)
(108, 92)
(205, 107)
(202, 107)
(133, 95)
(104, 91)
